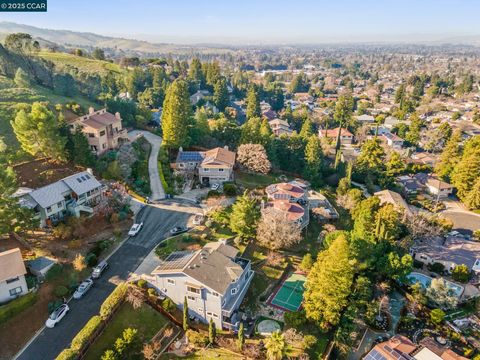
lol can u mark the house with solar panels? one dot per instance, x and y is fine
(72, 196)
(214, 280)
(214, 166)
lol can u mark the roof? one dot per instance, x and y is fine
(214, 266)
(365, 117)
(79, 183)
(186, 156)
(396, 348)
(292, 211)
(394, 198)
(279, 122)
(219, 156)
(427, 354)
(392, 137)
(11, 264)
(99, 119)
(284, 191)
(438, 184)
(40, 263)
(334, 132)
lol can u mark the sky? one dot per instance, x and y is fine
(261, 21)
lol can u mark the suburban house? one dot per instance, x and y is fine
(12, 275)
(394, 198)
(320, 205)
(280, 127)
(214, 280)
(212, 167)
(69, 196)
(438, 188)
(103, 130)
(400, 347)
(288, 199)
(269, 114)
(346, 137)
(392, 140)
(365, 119)
(412, 184)
(391, 122)
(450, 251)
(199, 95)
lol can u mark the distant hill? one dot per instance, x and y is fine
(88, 40)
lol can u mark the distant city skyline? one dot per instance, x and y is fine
(262, 21)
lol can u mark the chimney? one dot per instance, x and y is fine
(180, 149)
(91, 110)
(117, 115)
(89, 170)
(226, 147)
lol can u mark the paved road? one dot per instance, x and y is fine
(464, 221)
(157, 222)
(155, 184)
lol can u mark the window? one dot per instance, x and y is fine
(91, 135)
(215, 315)
(9, 281)
(206, 169)
(192, 298)
(171, 281)
(209, 313)
(181, 165)
(104, 146)
(193, 290)
(215, 294)
(16, 291)
(200, 310)
(49, 209)
(59, 205)
(102, 133)
(221, 170)
(233, 291)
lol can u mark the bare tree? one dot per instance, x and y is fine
(422, 227)
(148, 351)
(253, 157)
(275, 231)
(135, 298)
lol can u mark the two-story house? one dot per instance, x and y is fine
(214, 280)
(214, 166)
(289, 200)
(103, 130)
(12, 275)
(438, 188)
(69, 196)
(346, 137)
(280, 127)
(392, 140)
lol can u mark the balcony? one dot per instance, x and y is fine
(235, 301)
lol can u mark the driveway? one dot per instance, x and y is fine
(157, 223)
(155, 184)
(464, 221)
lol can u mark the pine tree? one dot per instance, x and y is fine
(212, 332)
(329, 284)
(343, 114)
(450, 156)
(313, 160)
(265, 132)
(195, 73)
(253, 103)
(220, 94)
(371, 159)
(244, 216)
(252, 132)
(467, 170)
(185, 314)
(306, 130)
(38, 132)
(177, 115)
(472, 199)
(395, 165)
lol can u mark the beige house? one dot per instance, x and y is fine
(280, 127)
(12, 275)
(103, 130)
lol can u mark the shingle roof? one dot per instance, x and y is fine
(454, 249)
(219, 155)
(82, 182)
(11, 264)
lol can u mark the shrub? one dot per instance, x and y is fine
(114, 218)
(86, 333)
(113, 300)
(168, 305)
(195, 338)
(229, 189)
(54, 272)
(213, 193)
(307, 262)
(16, 306)
(91, 259)
(461, 273)
(437, 268)
(60, 291)
(117, 233)
(67, 354)
(295, 319)
(142, 283)
(437, 316)
(309, 341)
(53, 305)
(151, 292)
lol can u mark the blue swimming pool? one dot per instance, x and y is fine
(426, 280)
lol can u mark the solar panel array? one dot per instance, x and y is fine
(176, 260)
(393, 354)
(374, 355)
(190, 156)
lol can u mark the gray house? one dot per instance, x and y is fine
(214, 280)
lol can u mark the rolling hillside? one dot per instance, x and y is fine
(62, 60)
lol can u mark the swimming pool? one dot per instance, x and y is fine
(425, 281)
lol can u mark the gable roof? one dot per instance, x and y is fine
(394, 198)
(219, 156)
(334, 132)
(438, 184)
(11, 264)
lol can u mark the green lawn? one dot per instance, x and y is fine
(180, 242)
(309, 243)
(62, 60)
(252, 181)
(258, 285)
(145, 319)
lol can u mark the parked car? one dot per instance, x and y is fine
(178, 230)
(83, 288)
(99, 269)
(57, 315)
(135, 229)
(215, 187)
(198, 219)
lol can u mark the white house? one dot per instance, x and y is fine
(439, 188)
(12, 275)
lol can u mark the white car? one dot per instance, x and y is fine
(57, 315)
(215, 187)
(83, 288)
(135, 229)
(99, 269)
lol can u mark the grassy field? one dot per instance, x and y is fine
(146, 320)
(253, 181)
(62, 60)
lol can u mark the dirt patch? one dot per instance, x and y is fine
(18, 330)
(40, 172)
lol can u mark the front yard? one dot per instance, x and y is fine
(145, 319)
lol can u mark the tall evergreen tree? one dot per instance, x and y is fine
(244, 216)
(343, 114)
(177, 115)
(241, 336)
(307, 129)
(212, 332)
(195, 73)
(220, 94)
(329, 284)
(185, 314)
(472, 200)
(38, 132)
(313, 160)
(253, 103)
(450, 156)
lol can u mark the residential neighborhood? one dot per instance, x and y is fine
(240, 182)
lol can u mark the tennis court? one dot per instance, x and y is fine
(290, 295)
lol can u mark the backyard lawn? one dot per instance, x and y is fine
(252, 181)
(145, 319)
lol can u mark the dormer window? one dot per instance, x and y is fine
(233, 291)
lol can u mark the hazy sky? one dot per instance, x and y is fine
(250, 21)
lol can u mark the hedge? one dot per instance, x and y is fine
(113, 300)
(16, 306)
(86, 333)
(67, 354)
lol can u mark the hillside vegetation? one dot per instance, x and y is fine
(63, 61)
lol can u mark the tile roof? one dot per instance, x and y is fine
(219, 155)
(292, 211)
(284, 191)
(334, 132)
(11, 264)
